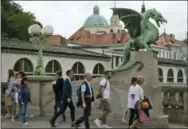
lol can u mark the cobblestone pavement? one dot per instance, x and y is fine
(42, 122)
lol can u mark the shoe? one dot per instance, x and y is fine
(13, 120)
(105, 126)
(51, 123)
(26, 124)
(98, 123)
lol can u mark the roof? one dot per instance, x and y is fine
(25, 45)
(58, 40)
(84, 37)
(165, 40)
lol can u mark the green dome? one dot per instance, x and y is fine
(96, 19)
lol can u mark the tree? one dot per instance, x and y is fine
(15, 22)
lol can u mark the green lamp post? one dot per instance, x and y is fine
(40, 36)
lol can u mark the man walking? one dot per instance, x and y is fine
(67, 99)
(105, 101)
(87, 97)
(58, 91)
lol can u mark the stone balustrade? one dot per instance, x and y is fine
(174, 102)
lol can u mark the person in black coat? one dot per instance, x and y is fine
(67, 100)
(58, 91)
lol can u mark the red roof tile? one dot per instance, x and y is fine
(165, 39)
(84, 37)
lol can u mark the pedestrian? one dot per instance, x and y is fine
(67, 100)
(132, 101)
(87, 96)
(24, 98)
(9, 95)
(104, 96)
(139, 97)
(58, 91)
(17, 90)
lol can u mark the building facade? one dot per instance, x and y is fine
(22, 56)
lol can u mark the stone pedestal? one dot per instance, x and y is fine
(121, 82)
(42, 96)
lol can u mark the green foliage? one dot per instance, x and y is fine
(14, 21)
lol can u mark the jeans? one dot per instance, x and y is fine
(62, 110)
(58, 105)
(133, 115)
(85, 116)
(22, 111)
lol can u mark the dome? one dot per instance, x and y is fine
(96, 19)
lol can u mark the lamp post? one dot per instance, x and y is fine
(40, 36)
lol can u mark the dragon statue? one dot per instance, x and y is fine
(142, 31)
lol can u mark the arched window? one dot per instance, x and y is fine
(180, 76)
(170, 76)
(79, 71)
(98, 70)
(24, 65)
(52, 67)
(160, 72)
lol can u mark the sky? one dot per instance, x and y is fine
(67, 17)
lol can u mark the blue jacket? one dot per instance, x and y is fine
(24, 94)
(67, 89)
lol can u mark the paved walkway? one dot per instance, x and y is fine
(42, 122)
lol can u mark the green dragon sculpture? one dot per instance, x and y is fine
(142, 31)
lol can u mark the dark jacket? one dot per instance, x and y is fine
(146, 111)
(25, 95)
(67, 89)
(58, 88)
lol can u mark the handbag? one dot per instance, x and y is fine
(142, 116)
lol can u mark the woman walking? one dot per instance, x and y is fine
(24, 98)
(132, 101)
(9, 96)
(139, 97)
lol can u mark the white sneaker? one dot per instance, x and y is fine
(98, 123)
(106, 126)
(26, 124)
(13, 120)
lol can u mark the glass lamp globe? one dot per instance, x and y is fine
(34, 29)
(47, 30)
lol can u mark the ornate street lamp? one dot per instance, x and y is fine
(41, 36)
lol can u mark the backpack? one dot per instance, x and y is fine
(79, 95)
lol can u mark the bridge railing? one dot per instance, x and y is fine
(174, 102)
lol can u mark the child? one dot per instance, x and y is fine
(24, 97)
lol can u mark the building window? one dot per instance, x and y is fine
(52, 67)
(117, 61)
(98, 70)
(180, 76)
(174, 55)
(170, 76)
(79, 71)
(163, 54)
(111, 31)
(160, 72)
(24, 65)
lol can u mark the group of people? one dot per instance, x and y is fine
(17, 96)
(63, 99)
(138, 103)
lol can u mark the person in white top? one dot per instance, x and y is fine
(139, 96)
(105, 101)
(132, 101)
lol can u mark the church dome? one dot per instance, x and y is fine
(96, 19)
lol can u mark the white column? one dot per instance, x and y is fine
(175, 75)
(114, 61)
(119, 61)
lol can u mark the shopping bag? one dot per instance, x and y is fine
(142, 116)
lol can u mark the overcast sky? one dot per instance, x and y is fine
(68, 16)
